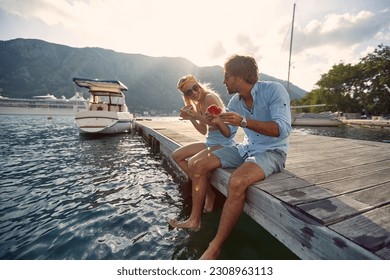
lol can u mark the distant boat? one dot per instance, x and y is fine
(314, 119)
(107, 111)
(308, 119)
(47, 105)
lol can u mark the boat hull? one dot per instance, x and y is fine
(315, 122)
(315, 119)
(102, 122)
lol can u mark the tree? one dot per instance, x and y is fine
(375, 69)
(338, 87)
(353, 88)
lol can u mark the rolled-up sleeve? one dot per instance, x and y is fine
(280, 109)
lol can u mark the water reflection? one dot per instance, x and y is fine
(64, 195)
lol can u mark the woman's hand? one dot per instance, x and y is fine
(187, 112)
(212, 119)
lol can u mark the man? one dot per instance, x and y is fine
(262, 109)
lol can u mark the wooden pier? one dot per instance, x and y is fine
(331, 202)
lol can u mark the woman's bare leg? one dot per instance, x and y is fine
(182, 154)
(202, 163)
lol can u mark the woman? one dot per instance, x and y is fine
(197, 98)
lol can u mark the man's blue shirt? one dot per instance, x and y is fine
(270, 103)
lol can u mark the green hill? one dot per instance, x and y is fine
(31, 67)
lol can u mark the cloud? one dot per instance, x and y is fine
(342, 30)
(246, 44)
(48, 12)
(217, 51)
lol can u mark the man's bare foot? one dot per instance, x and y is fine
(185, 224)
(212, 253)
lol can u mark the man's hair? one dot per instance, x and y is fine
(242, 66)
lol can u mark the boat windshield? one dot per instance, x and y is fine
(108, 99)
(101, 99)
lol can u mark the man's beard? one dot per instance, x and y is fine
(230, 91)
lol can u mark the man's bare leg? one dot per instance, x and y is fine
(243, 177)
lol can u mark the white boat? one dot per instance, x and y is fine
(107, 111)
(313, 119)
(43, 105)
(308, 119)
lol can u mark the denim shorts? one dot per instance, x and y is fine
(270, 161)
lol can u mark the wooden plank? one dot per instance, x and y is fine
(329, 147)
(291, 183)
(329, 211)
(303, 195)
(305, 143)
(308, 157)
(357, 183)
(328, 190)
(362, 154)
(178, 137)
(322, 166)
(357, 157)
(375, 196)
(347, 172)
(150, 134)
(370, 230)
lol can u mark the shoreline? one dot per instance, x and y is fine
(385, 124)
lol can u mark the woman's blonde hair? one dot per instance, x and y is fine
(205, 87)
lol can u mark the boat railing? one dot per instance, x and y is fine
(115, 107)
(98, 107)
(107, 107)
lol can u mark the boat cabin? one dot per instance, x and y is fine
(105, 95)
(107, 101)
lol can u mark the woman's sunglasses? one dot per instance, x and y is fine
(190, 91)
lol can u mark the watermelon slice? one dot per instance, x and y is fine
(214, 110)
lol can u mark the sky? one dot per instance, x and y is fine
(206, 32)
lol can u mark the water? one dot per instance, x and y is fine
(350, 132)
(68, 196)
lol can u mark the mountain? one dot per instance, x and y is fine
(31, 67)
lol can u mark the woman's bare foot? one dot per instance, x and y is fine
(209, 202)
(187, 224)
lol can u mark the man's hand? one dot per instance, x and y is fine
(231, 118)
